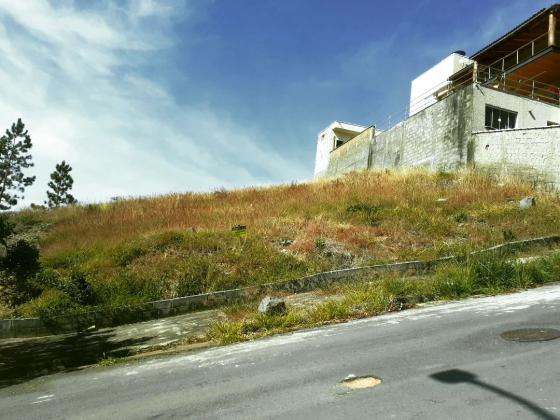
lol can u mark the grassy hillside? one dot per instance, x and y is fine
(163, 247)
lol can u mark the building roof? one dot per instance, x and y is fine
(345, 126)
(522, 34)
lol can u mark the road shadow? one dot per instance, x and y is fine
(457, 376)
(24, 359)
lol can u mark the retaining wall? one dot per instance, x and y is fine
(532, 154)
(438, 137)
(352, 155)
(451, 133)
(33, 327)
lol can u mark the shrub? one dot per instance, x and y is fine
(125, 255)
(6, 229)
(22, 259)
(79, 289)
(366, 213)
(17, 270)
(50, 304)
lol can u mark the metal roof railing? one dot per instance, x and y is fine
(522, 54)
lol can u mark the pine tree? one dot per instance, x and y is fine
(14, 158)
(60, 185)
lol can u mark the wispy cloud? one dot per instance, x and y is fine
(87, 82)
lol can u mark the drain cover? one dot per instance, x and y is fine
(360, 382)
(531, 334)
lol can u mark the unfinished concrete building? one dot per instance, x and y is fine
(498, 109)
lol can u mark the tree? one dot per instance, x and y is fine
(14, 158)
(60, 185)
(19, 263)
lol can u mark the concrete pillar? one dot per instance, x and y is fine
(551, 29)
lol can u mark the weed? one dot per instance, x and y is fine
(461, 217)
(139, 249)
(226, 332)
(330, 310)
(369, 214)
(508, 235)
(489, 274)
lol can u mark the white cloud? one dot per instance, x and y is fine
(78, 79)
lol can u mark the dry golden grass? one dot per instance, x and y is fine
(410, 217)
(161, 247)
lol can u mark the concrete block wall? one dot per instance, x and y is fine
(352, 155)
(439, 137)
(533, 154)
(446, 135)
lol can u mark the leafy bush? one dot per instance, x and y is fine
(79, 289)
(6, 229)
(124, 256)
(22, 259)
(17, 270)
(51, 304)
(367, 213)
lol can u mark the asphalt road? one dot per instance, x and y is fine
(438, 362)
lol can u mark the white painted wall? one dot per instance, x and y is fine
(422, 88)
(326, 142)
(530, 113)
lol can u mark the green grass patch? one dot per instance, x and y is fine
(488, 274)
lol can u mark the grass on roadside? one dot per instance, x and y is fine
(97, 257)
(481, 275)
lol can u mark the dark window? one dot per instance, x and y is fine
(499, 119)
(338, 142)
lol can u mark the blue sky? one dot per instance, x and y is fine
(144, 97)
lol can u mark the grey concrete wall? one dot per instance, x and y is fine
(533, 154)
(352, 155)
(445, 135)
(438, 137)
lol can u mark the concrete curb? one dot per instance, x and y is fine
(34, 327)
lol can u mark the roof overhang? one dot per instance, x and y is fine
(519, 36)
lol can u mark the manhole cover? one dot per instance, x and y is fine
(531, 334)
(360, 382)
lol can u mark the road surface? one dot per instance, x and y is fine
(438, 362)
